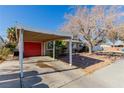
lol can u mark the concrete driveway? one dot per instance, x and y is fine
(43, 72)
(108, 77)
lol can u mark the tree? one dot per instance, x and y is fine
(11, 35)
(60, 47)
(88, 23)
(112, 35)
(92, 24)
(113, 25)
(121, 32)
(60, 44)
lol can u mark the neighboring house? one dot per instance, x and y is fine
(115, 48)
(105, 45)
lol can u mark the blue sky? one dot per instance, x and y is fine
(39, 17)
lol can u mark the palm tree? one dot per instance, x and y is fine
(11, 35)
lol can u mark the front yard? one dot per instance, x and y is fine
(104, 61)
(88, 62)
(92, 62)
(88, 70)
(44, 72)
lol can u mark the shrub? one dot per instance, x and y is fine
(4, 52)
(11, 46)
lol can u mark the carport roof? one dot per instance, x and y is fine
(40, 35)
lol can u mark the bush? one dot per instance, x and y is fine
(11, 46)
(4, 52)
(60, 48)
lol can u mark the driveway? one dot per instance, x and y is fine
(108, 77)
(43, 72)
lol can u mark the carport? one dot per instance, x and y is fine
(28, 36)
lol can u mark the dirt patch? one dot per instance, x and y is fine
(106, 60)
(92, 62)
(44, 65)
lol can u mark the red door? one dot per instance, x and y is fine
(32, 49)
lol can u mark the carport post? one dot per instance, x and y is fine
(70, 52)
(21, 52)
(44, 48)
(53, 49)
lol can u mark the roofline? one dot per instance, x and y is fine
(41, 31)
(75, 41)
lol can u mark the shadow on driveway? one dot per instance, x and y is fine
(30, 80)
(81, 61)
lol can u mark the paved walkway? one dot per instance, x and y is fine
(43, 72)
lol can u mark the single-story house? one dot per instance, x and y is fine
(32, 43)
(77, 45)
(110, 48)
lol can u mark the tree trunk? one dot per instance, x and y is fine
(90, 49)
(113, 45)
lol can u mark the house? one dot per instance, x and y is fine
(63, 50)
(32, 43)
(110, 48)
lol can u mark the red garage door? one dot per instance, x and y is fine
(32, 49)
